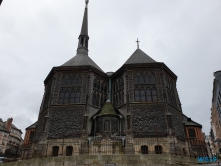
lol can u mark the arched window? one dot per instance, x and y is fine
(94, 99)
(141, 79)
(116, 101)
(102, 100)
(137, 94)
(61, 96)
(158, 149)
(98, 85)
(142, 95)
(118, 93)
(152, 78)
(65, 79)
(119, 101)
(97, 99)
(72, 97)
(68, 81)
(105, 98)
(71, 80)
(105, 88)
(154, 94)
(121, 83)
(144, 149)
(75, 96)
(102, 87)
(122, 97)
(55, 150)
(136, 79)
(95, 84)
(79, 80)
(64, 96)
(145, 89)
(69, 150)
(117, 86)
(147, 79)
(148, 94)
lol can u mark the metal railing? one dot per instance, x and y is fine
(132, 143)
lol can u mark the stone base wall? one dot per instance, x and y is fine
(102, 160)
(107, 146)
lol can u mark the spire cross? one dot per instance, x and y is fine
(137, 43)
(86, 1)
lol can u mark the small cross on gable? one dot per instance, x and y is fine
(137, 43)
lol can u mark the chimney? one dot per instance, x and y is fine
(9, 123)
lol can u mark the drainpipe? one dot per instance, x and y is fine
(109, 86)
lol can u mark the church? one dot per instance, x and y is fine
(135, 110)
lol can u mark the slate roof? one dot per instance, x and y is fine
(190, 122)
(82, 60)
(108, 109)
(34, 125)
(84, 29)
(139, 57)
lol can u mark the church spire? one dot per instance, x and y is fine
(83, 37)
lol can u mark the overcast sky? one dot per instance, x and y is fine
(36, 35)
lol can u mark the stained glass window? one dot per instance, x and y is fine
(146, 90)
(71, 93)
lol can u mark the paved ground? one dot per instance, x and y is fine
(213, 164)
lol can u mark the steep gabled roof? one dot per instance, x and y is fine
(190, 122)
(108, 109)
(139, 57)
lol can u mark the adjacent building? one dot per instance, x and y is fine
(195, 137)
(26, 150)
(4, 134)
(215, 132)
(208, 142)
(10, 138)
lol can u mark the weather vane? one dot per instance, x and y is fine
(137, 43)
(86, 1)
